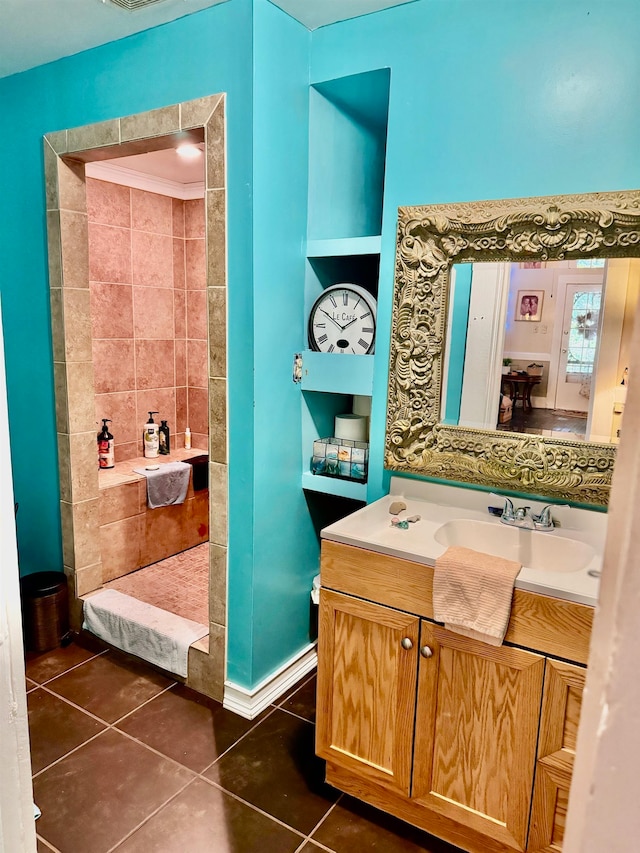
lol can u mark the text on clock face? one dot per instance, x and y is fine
(342, 321)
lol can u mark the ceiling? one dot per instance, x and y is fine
(33, 32)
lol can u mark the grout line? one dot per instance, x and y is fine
(297, 716)
(150, 816)
(235, 743)
(316, 843)
(194, 773)
(142, 705)
(71, 668)
(255, 808)
(77, 707)
(319, 824)
(46, 843)
(67, 754)
(307, 679)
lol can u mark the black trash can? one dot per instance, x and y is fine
(45, 610)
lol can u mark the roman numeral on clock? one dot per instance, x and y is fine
(322, 339)
(368, 329)
(363, 344)
(345, 298)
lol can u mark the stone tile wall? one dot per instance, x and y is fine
(147, 283)
(132, 536)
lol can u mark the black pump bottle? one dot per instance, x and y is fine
(165, 439)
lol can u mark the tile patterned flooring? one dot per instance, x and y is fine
(555, 422)
(179, 584)
(127, 760)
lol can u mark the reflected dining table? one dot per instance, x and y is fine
(518, 386)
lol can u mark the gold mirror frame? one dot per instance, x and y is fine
(430, 240)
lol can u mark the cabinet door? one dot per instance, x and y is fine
(367, 671)
(561, 704)
(476, 733)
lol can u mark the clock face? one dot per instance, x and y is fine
(343, 319)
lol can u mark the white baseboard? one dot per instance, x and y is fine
(250, 703)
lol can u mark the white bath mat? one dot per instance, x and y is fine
(141, 629)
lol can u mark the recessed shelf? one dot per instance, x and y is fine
(338, 373)
(333, 486)
(342, 246)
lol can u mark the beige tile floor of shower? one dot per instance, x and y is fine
(179, 584)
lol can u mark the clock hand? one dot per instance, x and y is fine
(349, 324)
(335, 322)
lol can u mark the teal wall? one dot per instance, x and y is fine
(260, 57)
(269, 609)
(194, 56)
(492, 99)
(489, 98)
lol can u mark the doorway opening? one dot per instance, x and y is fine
(139, 323)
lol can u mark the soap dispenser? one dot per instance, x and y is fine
(106, 457)
(164, 439)
(150, 437)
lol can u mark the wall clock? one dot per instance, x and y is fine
(343, 319)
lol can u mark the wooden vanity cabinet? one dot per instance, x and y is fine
(455, 736)
(561, 704)
(477, 718)
(369, 690)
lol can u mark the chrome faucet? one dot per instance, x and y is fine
(515, 517)
(523, 517)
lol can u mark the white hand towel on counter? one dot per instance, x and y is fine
(472, 593)
(167, 485)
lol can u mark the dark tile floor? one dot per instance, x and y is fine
(126, 760)
(547, 421)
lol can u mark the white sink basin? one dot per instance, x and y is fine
(564, 563)
(533, 549)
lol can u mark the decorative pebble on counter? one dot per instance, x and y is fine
(396, 507)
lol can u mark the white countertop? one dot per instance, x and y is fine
(370, 527)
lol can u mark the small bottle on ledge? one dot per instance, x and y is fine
(187, 438)
(164, 439)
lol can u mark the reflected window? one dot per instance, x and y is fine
(583, 336)
(590, 263)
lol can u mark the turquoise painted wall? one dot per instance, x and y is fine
(197, 55)
(269, 611)
(488, 99)
(272, 544)
(492, 99)
(459, 312)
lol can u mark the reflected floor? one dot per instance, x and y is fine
(179, 584)
(551, 422)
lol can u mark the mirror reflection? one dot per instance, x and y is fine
(546, 347)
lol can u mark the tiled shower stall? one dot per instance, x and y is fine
(139, 324)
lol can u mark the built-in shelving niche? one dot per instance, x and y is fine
(347, 150)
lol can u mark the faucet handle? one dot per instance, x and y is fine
(508, 511)
(522, 512)
(544, 518)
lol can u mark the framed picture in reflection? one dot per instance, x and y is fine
(529, 305)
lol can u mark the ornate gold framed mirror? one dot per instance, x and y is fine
(528, 232)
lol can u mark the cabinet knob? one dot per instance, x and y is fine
(406, 643)
(426, 652)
